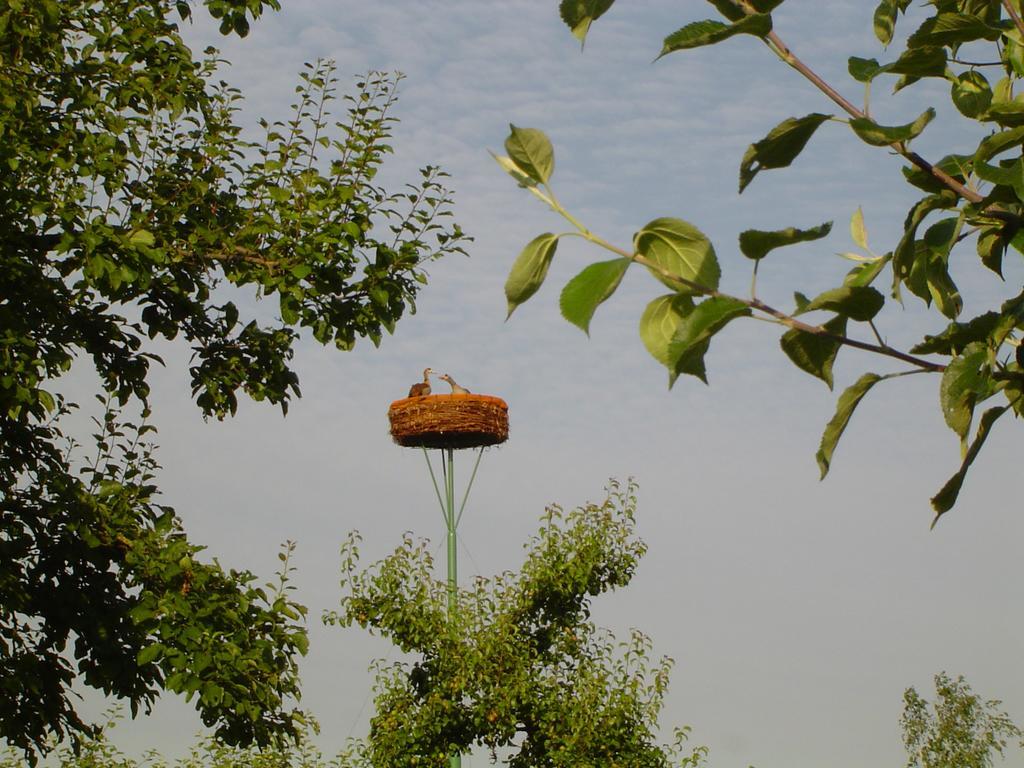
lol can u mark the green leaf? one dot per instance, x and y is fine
(1009, 175)
(999, 142)
(905, 252)
(680, 250)
(944, 500)
(580, 14)
(149, 654)
(142, 237)
(582, 295)
(866, 272)
(956, 336)
(780, 147)
(698, 326)
(531, 151)
(957, 166)
(658, 325)
(952, 29)
(756, 244)
(858, 231)
(877, 135)
(885, 21)
(708, 32)
(966, 380)
(971, 93)
(765, 6)
(854, 301)
(929, 274)
(529, 270)
(990, 247)
(813, 353)
(509, 166)
(728, 9)
(848, 402)
(1009, 113)
(864, 70)
(915, 63)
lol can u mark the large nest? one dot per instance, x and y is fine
(449, 421)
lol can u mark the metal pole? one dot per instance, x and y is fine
(451, 521)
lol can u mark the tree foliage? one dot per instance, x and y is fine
(960, 730)
(973, 197)
(518, 666)
(133, 206)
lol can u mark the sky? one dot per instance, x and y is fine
(797, 611)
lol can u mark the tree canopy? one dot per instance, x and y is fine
(517, 666)
(134, 206)
(959, 730)
(974, 195)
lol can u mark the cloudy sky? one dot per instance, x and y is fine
(797, 611)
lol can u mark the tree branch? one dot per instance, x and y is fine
(780, 316)
(1008, 5)
(783, 51)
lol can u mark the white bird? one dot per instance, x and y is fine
(421, 388)
(456, 389)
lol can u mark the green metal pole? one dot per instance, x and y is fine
(455, 761)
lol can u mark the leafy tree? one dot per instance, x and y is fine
(963, 731)
(96, 750)
(517, 666)
(132, 206)
(973, 196)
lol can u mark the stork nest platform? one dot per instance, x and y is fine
(449, 421)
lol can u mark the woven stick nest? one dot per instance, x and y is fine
(449, 421)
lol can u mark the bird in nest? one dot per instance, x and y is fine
(421, 388)
(456, 389)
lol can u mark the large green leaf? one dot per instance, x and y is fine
(1009, 175)
(698, 326)
(679, 249)
(929, 276)
(708, 32)
(780, 147)
(813, 353)
(905, 252)
(660, 321)
(579, 14)
(996, 143)
(919, 62)
(966, 380)
(952, 29)
(858, 302)
(658, 325)
(529, 270)
(848, 402)
(1008, 113)
(756, 244)
(956, 336)
(972, 94)
(877, 135)
(582, 295)
(531, 151)
(944, 500)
